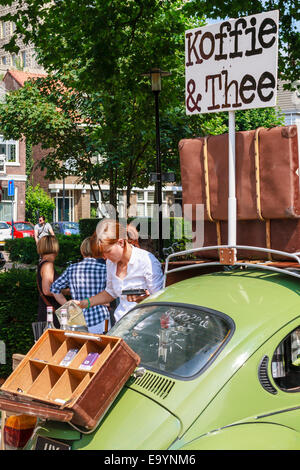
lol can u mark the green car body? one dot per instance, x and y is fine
(233, 402)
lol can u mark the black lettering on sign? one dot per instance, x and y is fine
(213, 94)
(191, 48)
(267, 80)
(236, 33)
(221, 35)
(268, 26)
(209, 37)
(248, 83)
(252, 32)
(191, 102)
(227, 87)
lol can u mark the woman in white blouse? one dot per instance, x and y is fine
(128, 267)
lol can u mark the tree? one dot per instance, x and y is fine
(289, 35)
(112, 37)
(77, 116)
(38, 200)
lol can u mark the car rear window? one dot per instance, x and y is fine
(3, 225)
(22, 226)
(70, 225)
(177, 340)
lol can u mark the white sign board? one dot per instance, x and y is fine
(232, 65)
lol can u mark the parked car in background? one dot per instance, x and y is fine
(66, 228)
(5, 232)
(22, 229)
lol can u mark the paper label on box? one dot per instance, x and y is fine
(69, 357)
(89, 361)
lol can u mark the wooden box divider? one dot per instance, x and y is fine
(23, 381)
(45, 350)
(45, 381)
(69, 343)
(69, 393)
(69, 386)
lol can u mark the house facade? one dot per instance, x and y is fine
(288, 103)
(12, 168)
(26, 58)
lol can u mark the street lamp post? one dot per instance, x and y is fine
(155, 75)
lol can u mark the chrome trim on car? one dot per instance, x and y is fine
(293, 256)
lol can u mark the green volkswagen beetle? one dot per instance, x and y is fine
(220, 369)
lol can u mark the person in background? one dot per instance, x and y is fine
(128, 267)
(42, 229)
(85, 279)
(48, 249)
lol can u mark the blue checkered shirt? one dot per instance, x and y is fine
(85, 279)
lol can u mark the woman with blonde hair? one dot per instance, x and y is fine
(48, 249)
(128, 267)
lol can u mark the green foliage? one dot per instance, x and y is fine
(87, 227)
(18, 309)
(38, 200)
(113, 37)
(289, 34)
(23, 250)
(69, 250)
(117, 109)
(254, 118)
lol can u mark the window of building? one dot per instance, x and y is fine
(14, 60)
(3, 60)
(6, 205)
(23, 59)
(286, 363)
(64, 206)
(145, 203)
(150, 196)
(9, 148)
(2, 29)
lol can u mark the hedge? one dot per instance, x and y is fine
(18, 309)
(87, 227)
(23, 250)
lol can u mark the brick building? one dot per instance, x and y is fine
(25, 59)
(78, 201)
(12, 167)
(76, 197)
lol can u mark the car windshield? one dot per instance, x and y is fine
(175, 339)
(23, 226)
(4, 225)
(70, 225)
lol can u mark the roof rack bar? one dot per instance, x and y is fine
(293, 256)
(248, 265)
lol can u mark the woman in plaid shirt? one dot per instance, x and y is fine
(85, 279)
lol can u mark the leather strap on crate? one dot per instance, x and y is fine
(207, 192)
(258, 192)
(257, 174)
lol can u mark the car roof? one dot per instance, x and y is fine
(254, 299)
(19, 222)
